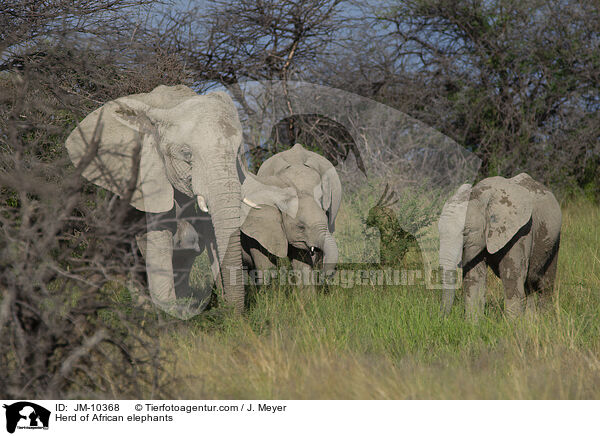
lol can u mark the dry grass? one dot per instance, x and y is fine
(389, 342)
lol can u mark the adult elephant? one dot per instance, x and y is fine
(512, 225)
(171, 147)
(296, 197)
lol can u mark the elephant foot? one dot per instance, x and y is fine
(447, 301)
(475, 306)
(545, 301)
(473, 316)
(530, 305)
(514, 307)
(138, 299)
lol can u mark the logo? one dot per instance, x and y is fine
(26, 415)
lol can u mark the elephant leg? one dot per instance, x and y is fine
(546, 283)
(168, 271)
(530, 296)
(302, 263)
(183, 261)
(530, 303)
(514, 302)
(157, 248)
(188, 240)
(258, 259)
(513, 269)
(474, 277)
(263, 265)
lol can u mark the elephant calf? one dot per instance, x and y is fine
(513, 226)
(289, 210)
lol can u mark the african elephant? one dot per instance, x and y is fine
(296, 197)
(175, 149)
(512, 225)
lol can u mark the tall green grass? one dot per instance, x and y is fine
(390, 342)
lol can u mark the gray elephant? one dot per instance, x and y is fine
(512, 225)
(175, 149)
(295, 199)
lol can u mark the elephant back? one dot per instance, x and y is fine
(166, 97)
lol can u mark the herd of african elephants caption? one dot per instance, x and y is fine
(198, 196)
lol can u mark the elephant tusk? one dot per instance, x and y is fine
(202, 204)
(250, 203)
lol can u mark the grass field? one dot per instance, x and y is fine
(389, 342)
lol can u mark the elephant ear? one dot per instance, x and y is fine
(125, 134)
(265, 225)
(331, 187)
(509, 208)
(263, 222)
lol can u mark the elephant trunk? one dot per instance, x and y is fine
(451, 228)
(448, 289)
(225, 206)
(450, 255)
(330, 254)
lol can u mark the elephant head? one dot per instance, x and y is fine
(163, 142)
(485, 217)
(295, 197)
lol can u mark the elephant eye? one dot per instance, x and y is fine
(179, 152)
(186, 154)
